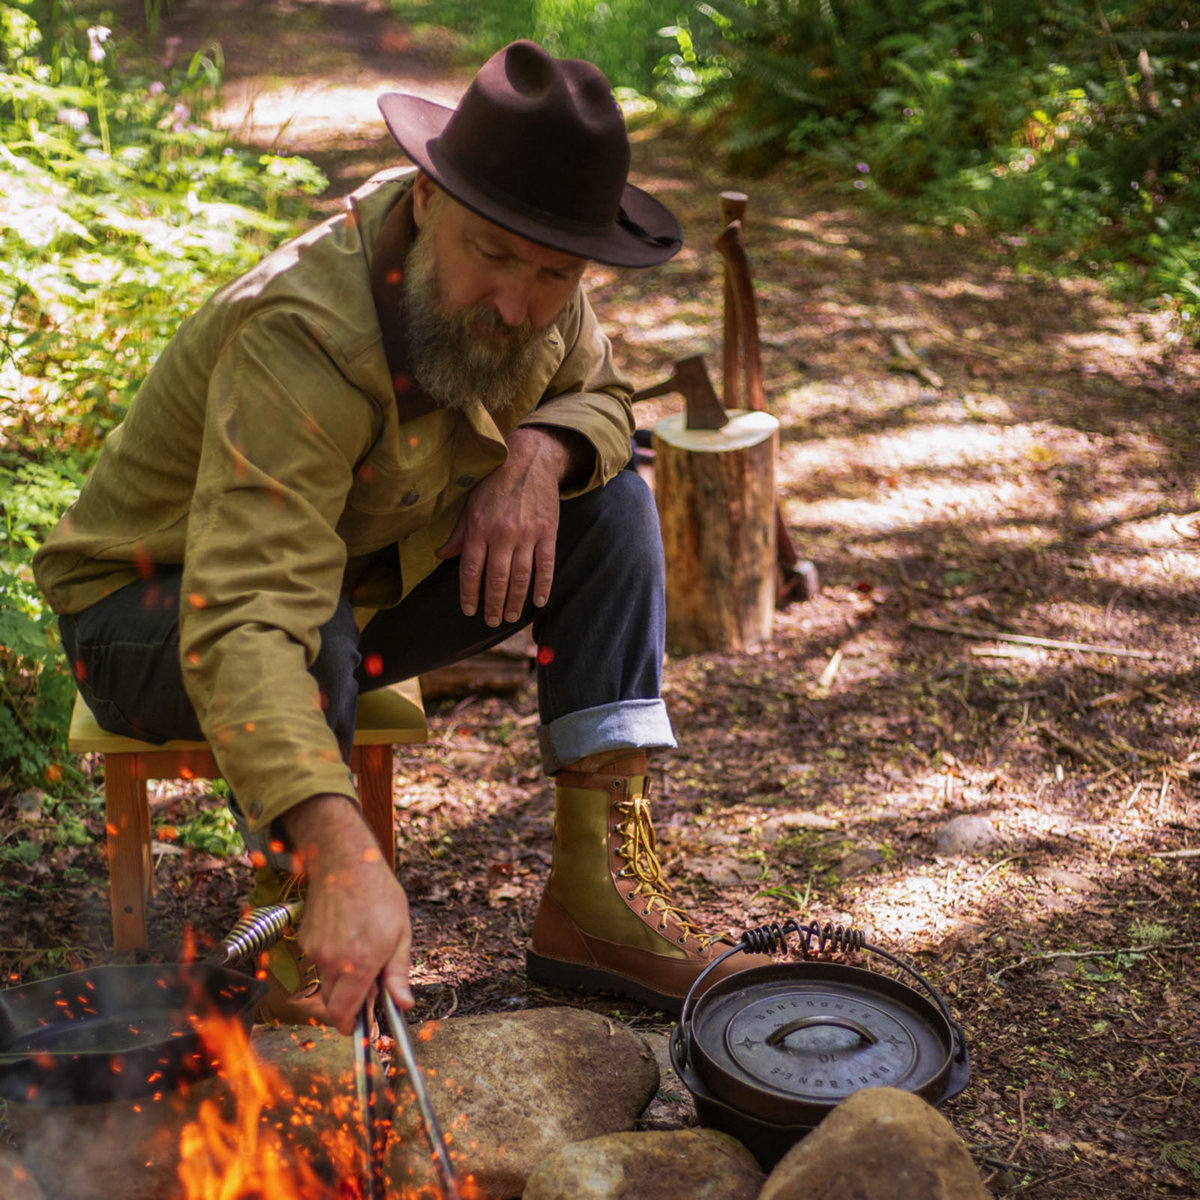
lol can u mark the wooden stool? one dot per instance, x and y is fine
(386, 717)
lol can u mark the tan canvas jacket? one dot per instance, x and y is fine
(270, 454)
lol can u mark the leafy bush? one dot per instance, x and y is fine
(1074, 122)
(124, 210)
(624, 38)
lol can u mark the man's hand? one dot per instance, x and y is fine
(355, 925)
(505, 537)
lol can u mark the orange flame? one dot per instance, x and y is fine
(247, 1146)
(249, 1157)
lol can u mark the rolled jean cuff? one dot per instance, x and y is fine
(622, 725)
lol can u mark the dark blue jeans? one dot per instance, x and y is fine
(601, 636)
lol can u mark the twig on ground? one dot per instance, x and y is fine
(1099, 952)
(1187, 853)
(1028, 640)
(1088, 754)
(1138, 514)
(832, 667)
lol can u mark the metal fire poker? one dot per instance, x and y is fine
(400, 1035)
(365, 1085)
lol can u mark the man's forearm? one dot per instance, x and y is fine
(571, 454)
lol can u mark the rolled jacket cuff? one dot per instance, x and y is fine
(622, 725)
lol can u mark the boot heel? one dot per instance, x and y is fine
(574, 977)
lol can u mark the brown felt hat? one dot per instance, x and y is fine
(538, 146)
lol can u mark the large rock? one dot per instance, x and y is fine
(878, 1144)
(682, 1164)
(514, 1088)
(507, 1090)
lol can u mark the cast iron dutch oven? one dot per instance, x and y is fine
(118, 1032)
(766, 1053)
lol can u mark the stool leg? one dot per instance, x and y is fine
(128, 819)
(375, 792)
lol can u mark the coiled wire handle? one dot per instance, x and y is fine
(257, 931)
(772, 939)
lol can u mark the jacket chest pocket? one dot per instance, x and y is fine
(398, 486)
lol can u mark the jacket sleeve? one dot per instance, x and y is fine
(263, 563)
(589, 396)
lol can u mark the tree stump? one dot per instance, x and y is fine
(715, 491)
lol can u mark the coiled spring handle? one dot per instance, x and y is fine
(256, 932)
(773, 939)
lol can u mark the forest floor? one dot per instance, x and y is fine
(1008, 537)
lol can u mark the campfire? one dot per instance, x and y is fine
(265, 1141)
(250, 1155)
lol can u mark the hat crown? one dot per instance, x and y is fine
(537, 145)
(543, 136)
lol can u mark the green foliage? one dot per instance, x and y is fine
(626, 39)
(35, 683)
(123, 210)
(212, 831)
(1073, 124)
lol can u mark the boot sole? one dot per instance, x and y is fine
(576, 977)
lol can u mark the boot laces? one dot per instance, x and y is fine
(291, 887)
(638, 853)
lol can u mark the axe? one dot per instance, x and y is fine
(690, 379)
(797, 578)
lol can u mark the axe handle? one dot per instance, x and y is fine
(733, 208)
(659, 389)
(732, 246)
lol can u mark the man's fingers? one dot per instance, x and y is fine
(544, 577)
(470, 575)
(495, 590)
(518, 584)
(344, 996)
(396, 983)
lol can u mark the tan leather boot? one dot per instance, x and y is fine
(293, 985)
(605, 923)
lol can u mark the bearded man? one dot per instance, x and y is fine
(396, 441)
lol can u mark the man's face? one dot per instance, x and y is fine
(476, 300)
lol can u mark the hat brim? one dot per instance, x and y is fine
(415, 123)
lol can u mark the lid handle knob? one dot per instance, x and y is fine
(776, 1037)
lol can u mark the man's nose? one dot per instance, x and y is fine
(513, 299)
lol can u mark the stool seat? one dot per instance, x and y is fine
(387, 717)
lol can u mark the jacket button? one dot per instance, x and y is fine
(410, 498)
(466, 481)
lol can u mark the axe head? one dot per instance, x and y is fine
(702, 408)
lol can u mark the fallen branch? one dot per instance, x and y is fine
(1098, 953)
(1190, 853)
(1088, 754)
(904, 358)
(1028, 640)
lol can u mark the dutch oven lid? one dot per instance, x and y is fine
(787, 1042)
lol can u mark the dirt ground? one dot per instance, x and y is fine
(1007, 532)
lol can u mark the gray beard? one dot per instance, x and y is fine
(458, 361)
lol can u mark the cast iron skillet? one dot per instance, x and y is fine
(117, 1032)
